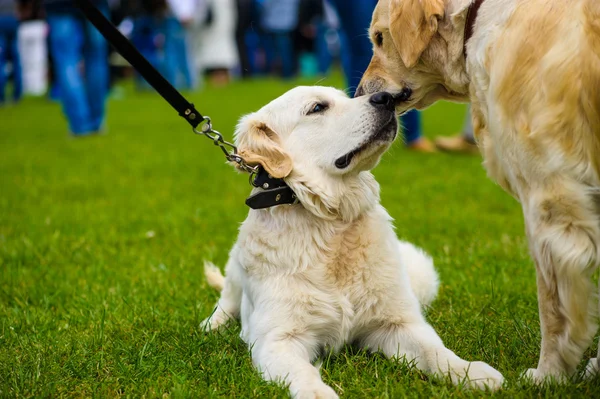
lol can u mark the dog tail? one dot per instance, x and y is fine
(423, 277)
(213, 275)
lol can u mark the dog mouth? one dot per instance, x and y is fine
(385, 134)
(402, 96)
(402, 100)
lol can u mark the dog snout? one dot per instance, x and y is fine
(383, 99)
(369, 86)
(360, 91)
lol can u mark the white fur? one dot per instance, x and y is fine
(331, 271)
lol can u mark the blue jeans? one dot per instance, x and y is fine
(83, 95)
(323, 52)
(172, 60)
(280, 43)
(176, 62)
(143, 37)
(355, 18)
(10, 51)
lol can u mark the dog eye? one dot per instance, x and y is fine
(378, 39)
(319, 107)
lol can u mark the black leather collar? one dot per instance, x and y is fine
(470, 23)
(274, 191)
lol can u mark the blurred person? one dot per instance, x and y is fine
(355, 17)
(178, 35)
(279, 19)
(463, 142)
(216, 53)
(9, 50)
(310, 16)
(245, 13)
(33, 49)
(156, 34)
(145, 34)
(330, 40)
(83, 91)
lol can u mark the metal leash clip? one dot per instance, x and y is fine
(229, 149)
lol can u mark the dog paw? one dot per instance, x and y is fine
(537, 377)
(592, 369)
(481, 375)
(215, 320)
(209, 324)
(205, 325)
(315, 391)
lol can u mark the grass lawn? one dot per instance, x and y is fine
(102, 241)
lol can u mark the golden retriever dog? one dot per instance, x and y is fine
(329, 270)
(531, 70)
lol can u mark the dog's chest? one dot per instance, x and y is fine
(331, 272)
(358, 262)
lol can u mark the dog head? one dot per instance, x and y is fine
(417, 53)
(318, 129)
(319, 140)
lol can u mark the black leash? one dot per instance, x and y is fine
(275, 191)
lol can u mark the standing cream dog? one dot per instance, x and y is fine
(532, 73)
(330, 270)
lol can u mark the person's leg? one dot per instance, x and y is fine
(8, 38)
(413, 132)
(285, 49)
(345, 52)
(355, 17)
(411, 124)
(322, 48)
(96, 74)
(468, 128)
(184, 58)
(267, 40)
(168, 27)
(240, 41)
(142, 38)
(3, 54)
(66, 42)
(463, 142)
(16, 64)
(253, 46)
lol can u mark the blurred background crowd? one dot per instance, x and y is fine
(47, 48)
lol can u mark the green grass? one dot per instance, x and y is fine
(102, 241)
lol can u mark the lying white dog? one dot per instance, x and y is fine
(329, 270)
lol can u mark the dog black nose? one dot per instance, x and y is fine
(383, 99)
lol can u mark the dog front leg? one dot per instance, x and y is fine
(564, 236)
(287, 360)
(417, 342)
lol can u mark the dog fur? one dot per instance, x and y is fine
(532, 75)
(329, 271)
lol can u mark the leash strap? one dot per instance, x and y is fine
(139, 63)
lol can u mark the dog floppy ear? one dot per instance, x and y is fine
(412, 25)
(258, 144)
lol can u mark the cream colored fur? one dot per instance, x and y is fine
(330, 271)
(532, 74)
